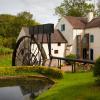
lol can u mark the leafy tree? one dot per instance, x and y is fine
(74, 8)
(25, 14)
(97, 12)
(11, 25)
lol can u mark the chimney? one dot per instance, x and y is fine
(90, 16)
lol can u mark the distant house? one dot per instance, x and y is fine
(82, 34)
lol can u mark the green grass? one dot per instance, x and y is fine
(4, 50)
(6, 60)
(77, 86)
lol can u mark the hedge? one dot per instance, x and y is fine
(52, 72)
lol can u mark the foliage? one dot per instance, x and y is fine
(5, 60)
(11, 25)
(8, 42)
(96, 71)
(97, 68)
(71, 56)
(10, 71)
(4, 51)
(97, 12)
(52, 72)
(25, 14)
(7, 71)
(74, 8)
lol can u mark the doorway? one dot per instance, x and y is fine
(84, 53)
(91, 54)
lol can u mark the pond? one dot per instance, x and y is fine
(23, 88)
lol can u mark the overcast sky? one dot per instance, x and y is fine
(42, 10)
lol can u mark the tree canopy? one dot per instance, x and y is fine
(76, 8)
(98, 8)
(25, 14)
(11, 25)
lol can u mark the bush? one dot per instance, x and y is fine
(97, 68)
(4, 51)
(52, 72)
(96, 71)
(71, 56)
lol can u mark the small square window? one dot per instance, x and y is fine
(63, 27)
(59, 44)
(55, 51)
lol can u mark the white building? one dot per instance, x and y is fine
(82, 34)
(58, 42)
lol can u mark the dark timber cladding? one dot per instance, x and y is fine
(40, 29)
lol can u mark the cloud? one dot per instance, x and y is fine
(42, 10)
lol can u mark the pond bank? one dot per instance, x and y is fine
(74, 86)
(29, 86)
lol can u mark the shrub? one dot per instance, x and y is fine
(4, 51)
(52, 72)
(97, 68)
(71, 56)
(96, 71)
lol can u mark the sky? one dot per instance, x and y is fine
(42, 10)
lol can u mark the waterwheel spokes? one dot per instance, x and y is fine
(28, 52)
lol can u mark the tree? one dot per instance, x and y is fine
(98, 8)
(11, 25)
(74, 8)
(25, 14)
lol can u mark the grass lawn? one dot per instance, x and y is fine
(74, 86)
(6, 60)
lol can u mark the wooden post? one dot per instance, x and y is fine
(74, 67)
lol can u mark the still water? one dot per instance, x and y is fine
(23, 88)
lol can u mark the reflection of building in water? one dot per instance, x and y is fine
(23, 89)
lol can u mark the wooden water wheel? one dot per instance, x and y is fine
(29, 49)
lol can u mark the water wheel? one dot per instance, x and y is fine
(28, 52)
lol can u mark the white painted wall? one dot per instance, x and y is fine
(96, 45)
(69, 34)
(54, 46)
(68, 29)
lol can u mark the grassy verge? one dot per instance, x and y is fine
(6, 60)
(78, 86)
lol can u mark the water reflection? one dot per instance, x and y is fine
(23, 88)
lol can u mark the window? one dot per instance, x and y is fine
(55, 51)
(59, 44)
(91, 38)
(63, 27)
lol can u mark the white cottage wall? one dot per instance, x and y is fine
(96, 44)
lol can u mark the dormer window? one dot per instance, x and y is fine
(63, 27)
